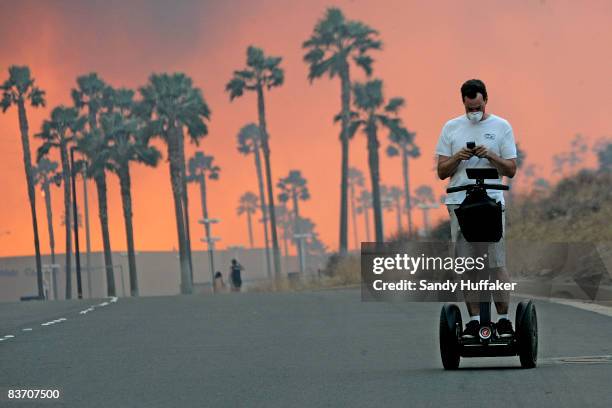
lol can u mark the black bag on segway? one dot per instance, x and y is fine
(480, 218)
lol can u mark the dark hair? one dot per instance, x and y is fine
(472, 87)
(217, 275)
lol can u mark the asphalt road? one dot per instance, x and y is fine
(311, 349)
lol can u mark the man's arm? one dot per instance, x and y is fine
(505, 167)
(448, 164)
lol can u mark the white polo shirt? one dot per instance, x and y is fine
(494, 133)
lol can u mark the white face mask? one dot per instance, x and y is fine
(474, 117)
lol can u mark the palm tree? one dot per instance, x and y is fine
(171, 103)
(80, 167)
(248, 205)
(92, 95)
(425, 200)
(293, 187)
(402, 144)
(182, 160)
(249, 141)
(392, 200)
(127, 144)
(19, 89)
(314, 245)
(336, 41)
(45, 174)
(59, 132)
(283, 217)
(355, 178)
(201, 166)
(364, 204)
(262, 72)
(373, 113)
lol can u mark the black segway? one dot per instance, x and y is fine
(480, 221)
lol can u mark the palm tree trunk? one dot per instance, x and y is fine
(426, 222)
(27, 161)
(366, 214)
(87, 233)
(250, 228)
(126, 201)
(210, 243)
(407, 189)
(345, 84)
(264, 209)
(177, 187)
(93, 124)
(398, 213)
(354, 216)
(67, 221)
(296, 220)
(266, 152)
(181, 141)
(49, 209)
(375, 179)
(100, 180)
(286, 245)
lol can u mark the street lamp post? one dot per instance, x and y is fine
(211, 244)
(76, 224)
(301, 238)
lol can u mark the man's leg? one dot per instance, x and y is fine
(497, 263)
(462, 248)
(497, 258)
(501, 298)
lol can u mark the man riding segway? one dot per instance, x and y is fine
(478, 140)
(480, 147)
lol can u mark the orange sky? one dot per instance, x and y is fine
(546, 65)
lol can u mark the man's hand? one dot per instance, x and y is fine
(447, 165)
(464, 154)
(505, 167)
(481, 152)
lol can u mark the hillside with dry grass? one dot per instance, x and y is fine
(577, 209)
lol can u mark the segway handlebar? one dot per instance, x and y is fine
(484, 186)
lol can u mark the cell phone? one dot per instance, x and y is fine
(470, 145)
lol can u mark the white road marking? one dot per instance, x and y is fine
(86, 310)
(112, 299)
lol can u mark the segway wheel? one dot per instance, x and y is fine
(450, 330)
(527, 334)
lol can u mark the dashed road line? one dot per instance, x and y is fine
(90, 309)
(63, 319)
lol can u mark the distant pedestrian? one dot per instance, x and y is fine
(235, 278)
(218, 285)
